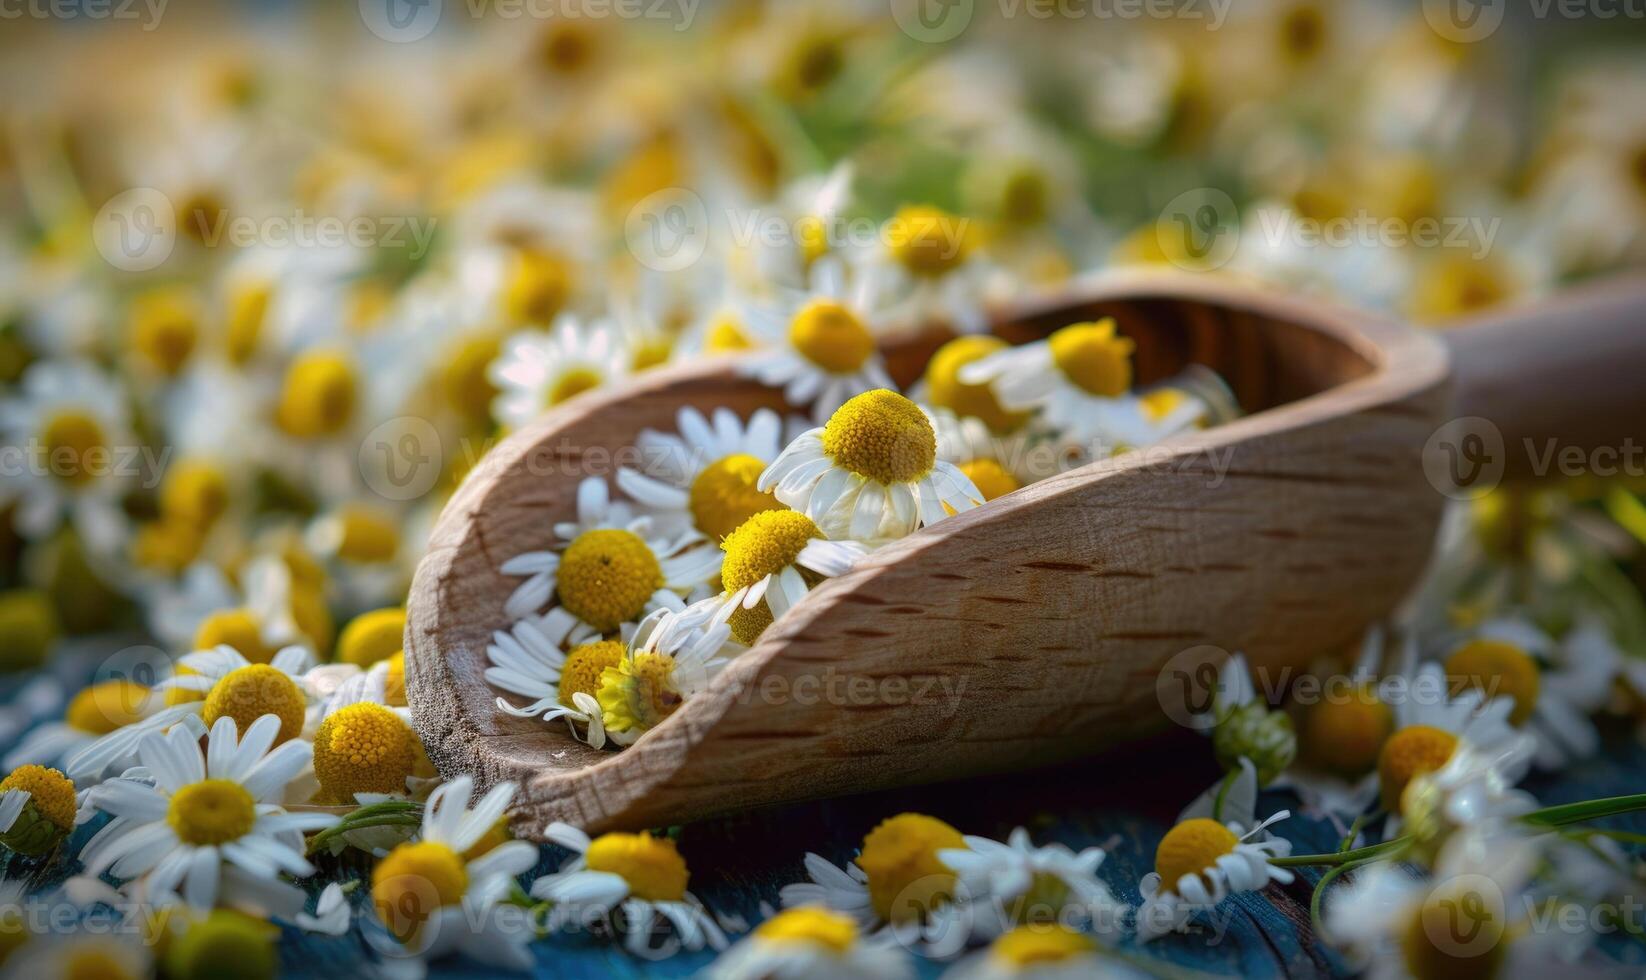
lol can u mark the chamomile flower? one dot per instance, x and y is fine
(434, 900)
(1510, 658)
(1080, 381)
(1016, 883)
(1217, 847)
(996, 464)
(1429, 725)
(531, 659)
(73, 422)
(642, 875)
(811, 943)
(1462, 922)
(194, 814)
(538, 370)
(898, 880)
(1339, 735)
(229, 685)
(365, 748)
(82, 954)
(1042, 952)
(935, 266)
(771, 561)
(93, 712)
(611, 570)
(206, 609)
(1469, 792)
(659, 671)
(38, 809)
(826, 350)
(706, 475)
(872, 473)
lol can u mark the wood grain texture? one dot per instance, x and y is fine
(1032, 629)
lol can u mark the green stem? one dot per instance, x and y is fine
(1340, 858)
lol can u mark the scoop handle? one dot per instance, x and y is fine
(1563, 381)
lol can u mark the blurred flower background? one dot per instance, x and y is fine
(274, 276)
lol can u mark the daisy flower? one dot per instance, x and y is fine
(538, 370)
(210, 685)
(872, 472)
(1462, 922)
(1216, 848)
(770, 562)
(899, 881)
(933, 264)
(82, 954)
(435, 900)
(611, 570)
(38, 809)
(811, 943)
(1468, 792)
(366, 748)
(531, 659)
(642, 875)
(996, 464)
(205, 609)
(826, 352)
(705, 477)
(72, 428)
(1080, 381)
(1427, 727)
(1554, 686)
(1042, 952)
(92, 713)
(1339, 736)
(210, 818)
(660, 670)
(1013, 883)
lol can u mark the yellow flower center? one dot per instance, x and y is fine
(928, 241)
(166, 546)
(725, 336)
(394, 681)
(1030, 946)
(372, 636)
(584, 665)
(164, 329)
(463, 379)
(76, 447)
(946, 390)
(414, 882)
(538, 286)
(1497, 670)
(1190, 848)
(606, 576)
(992, 479)
(237, 628)
(363, 748)
(1025, 197)
(200, 215)
(565, 47)
(1344, 735)
(831, 336)
(1412, 750)
(810, 925)
(195, 493)
(764, 545)
(906, 878)
(102, 708)
(28, 628)
(50, 792)
(1303, 32)
(1094, 358)
(319, 394)
(248, 693)
(248, 306)
(1458, 285)
(571, 383)
(1161, 402)
(652, 866)
(1457, 933)
(364, 535)
(882, 436)
(223, 943)
(812, 233)
(211, 812)
(638, 693)
(94, 964)
(724, 495)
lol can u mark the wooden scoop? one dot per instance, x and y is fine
(1034, 628)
